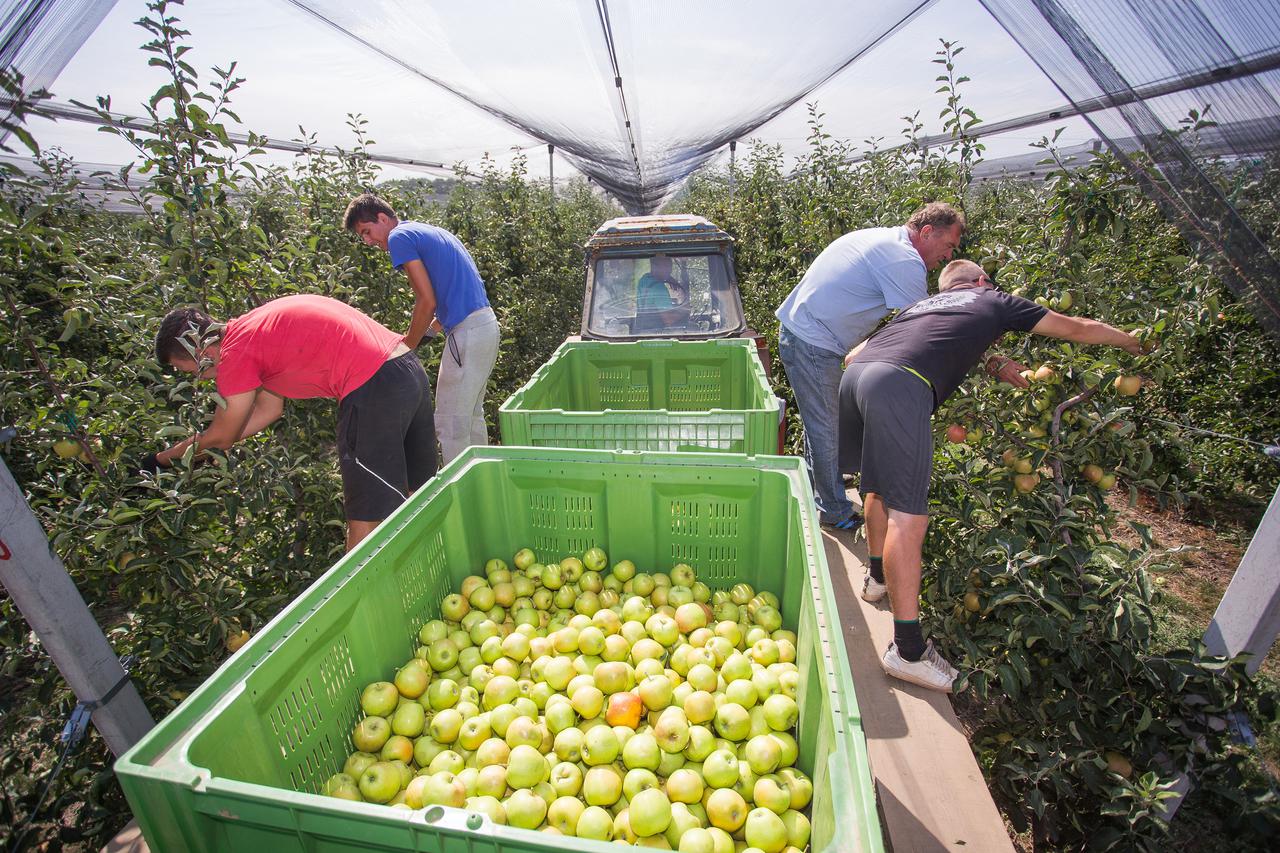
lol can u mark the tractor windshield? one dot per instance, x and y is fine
(663, 295)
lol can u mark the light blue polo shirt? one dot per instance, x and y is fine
(453, 273)
(852, 285)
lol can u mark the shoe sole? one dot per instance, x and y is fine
(872, 599)
(920, 682)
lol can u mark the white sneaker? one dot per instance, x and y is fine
(932, 670)
(873, 590)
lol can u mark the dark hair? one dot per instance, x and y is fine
(365, 208)
(183, 324)
(939, 214)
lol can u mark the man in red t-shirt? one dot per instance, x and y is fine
(305, 346)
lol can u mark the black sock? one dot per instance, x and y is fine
(909, 639)
(877, 569)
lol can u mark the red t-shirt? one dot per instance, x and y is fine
(302, 346)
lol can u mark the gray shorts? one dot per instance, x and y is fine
(885, 434)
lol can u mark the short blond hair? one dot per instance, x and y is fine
(957, 273)
(939, 214)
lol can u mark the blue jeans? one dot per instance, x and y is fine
(814, 374)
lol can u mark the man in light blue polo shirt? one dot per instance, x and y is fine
(845, 293)
(449, 295)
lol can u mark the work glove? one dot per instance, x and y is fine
(149, 464)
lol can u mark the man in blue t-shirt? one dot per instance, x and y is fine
(449, 295)
(848, 289)
(895, 380)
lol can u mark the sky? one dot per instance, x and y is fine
(550, 65)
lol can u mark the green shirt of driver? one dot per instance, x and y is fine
(652, 294)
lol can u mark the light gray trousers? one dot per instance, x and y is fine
(470, 351)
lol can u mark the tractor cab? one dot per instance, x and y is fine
(668, 277)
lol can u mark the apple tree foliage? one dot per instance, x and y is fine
(175, 565)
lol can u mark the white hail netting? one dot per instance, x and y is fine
(635, 94)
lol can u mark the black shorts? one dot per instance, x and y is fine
(885, 415)
(386, 439)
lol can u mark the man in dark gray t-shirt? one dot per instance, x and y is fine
(888, 394)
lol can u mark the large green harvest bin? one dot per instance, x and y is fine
(647, 395)
(236, 766)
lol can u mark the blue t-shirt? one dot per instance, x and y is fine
(454, 277)
(849, 288)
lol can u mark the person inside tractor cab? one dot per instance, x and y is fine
(661, 300)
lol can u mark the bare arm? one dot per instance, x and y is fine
(424, 302)
(853, 353)
(1084, 331)
(267, 409)
(227, 427)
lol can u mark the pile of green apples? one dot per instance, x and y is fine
(596, 702)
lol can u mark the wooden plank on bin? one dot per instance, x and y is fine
(931, 792)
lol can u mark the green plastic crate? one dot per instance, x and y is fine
(236, 766)
(647, 395)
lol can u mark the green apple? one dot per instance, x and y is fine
(379, 699)
(524, 730)
(771, 793)
(446, 726)
(655, 691)
(720, 769)
(526, 767)
(698, 840)
(474, 731)
(397, 748)
(409, 720)
(442, 655)
(357, 763)
(523, 559)
(741, 692)
(588, 701)
(489, 806)
(790, 748)
(425, 749)
(525, 809)
(602, 785)
(685, 786)
(454, 607)
(380, 782)
(672, 730)
(599, 746)
(727, 809)
(500, 690)
(566, 779)
(344, 787)
(491, 781)
(568, 744)
(371, 733)
(702, 742)
(563, 814)
(641, 750)
(732, 721)
(765, 830)
(434, 630)
(691, 616)
(639, 779)
(595, 559)
(700, 705)
(595, 823)
(624, 570)
(447, 761)
(799, 785)
(798, 828)
(649, 812)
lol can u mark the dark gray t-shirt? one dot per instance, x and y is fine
(944, 336)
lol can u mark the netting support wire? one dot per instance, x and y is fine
(602, 9)
(733, 159)
(1270, 450)
(78, 112)
(1257, 64)
(551, 171)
